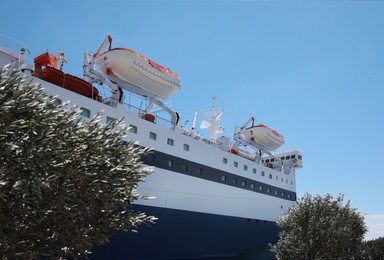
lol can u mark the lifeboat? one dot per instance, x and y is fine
(242, 153)
(264, 136)
(136, 73)
(57, 77)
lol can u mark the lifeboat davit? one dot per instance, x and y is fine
(136, 73)
(264, 136)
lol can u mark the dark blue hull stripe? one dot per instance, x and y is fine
(183, 166)
(180, 234)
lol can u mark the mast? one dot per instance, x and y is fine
(213, 118)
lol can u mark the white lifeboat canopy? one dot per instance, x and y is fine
(138, 74)
(264, 136)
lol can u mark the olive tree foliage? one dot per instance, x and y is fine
(372, 249)
(65, 185)
(320, 227)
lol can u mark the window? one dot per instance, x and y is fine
(300, 157)
(252, 185)
(277, 178)
(254, 170)
(289, 196)
(169, 163)
(133, 129)
(109, 119)
(270, 176)
(283, 194)
(268, 190)
(85, 112)
(262, 173)
(292, 156)
(199, 171)
(243, 184)
(184, 167)
(235, 164)
(282, 158)
(57, 102)
(170, 141)
(225, 160)
(245, 168)
(273, 159)
(234, 181)
(276, 192)
(152, 135)
(186, 147)
(287, 157)
(223, 178)
(260, 188)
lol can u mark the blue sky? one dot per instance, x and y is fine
(312, 70)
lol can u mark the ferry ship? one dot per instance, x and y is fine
(215, 196)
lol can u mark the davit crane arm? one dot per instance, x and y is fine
(95, 76)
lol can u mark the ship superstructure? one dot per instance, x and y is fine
(214, 196)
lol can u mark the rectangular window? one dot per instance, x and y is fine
(262, 173)
(109, 119)
(199, 171)
(170, 141)
(268, 190)
(186, 147)
(133, 129)
(235, 164)
(254, 170)
(184, 167)
(293, 156)
(245, 168)
(169, 163)
(223, 178)
(234, 181)
(252, 185)
(225, 160)
(243, 183)
(260, 188)
(85, 112)
(270, 176)
(152, 135)
(300, 157)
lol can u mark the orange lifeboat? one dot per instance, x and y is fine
(52, 74)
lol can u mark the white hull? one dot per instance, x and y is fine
(126, 68)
